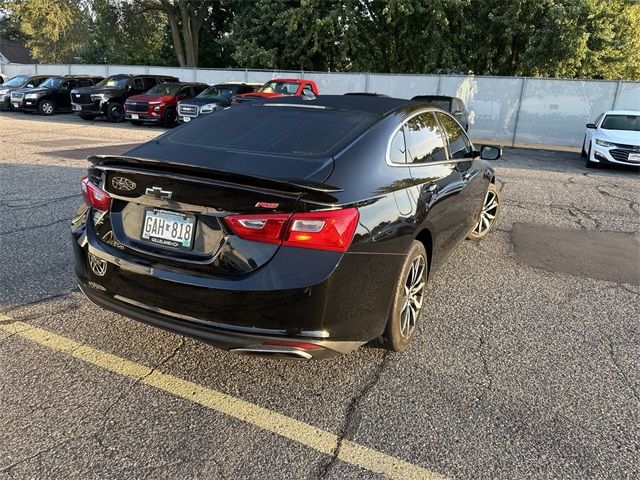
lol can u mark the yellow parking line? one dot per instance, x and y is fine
(301, 432)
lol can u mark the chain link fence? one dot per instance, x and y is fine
(508, 110)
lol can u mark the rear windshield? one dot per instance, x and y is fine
(622, 122)
(275, 129)
(165, 90)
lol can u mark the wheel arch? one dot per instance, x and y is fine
(426, 237)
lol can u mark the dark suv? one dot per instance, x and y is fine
(52, 95)
(20, 81)
(213, 98)
(108, 97)
(454, 105)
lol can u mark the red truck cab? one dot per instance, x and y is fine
(158, 105)
(279, 87)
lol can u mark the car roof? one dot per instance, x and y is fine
(622, 112)
(182, 84)
(294, 80)
(360, 103)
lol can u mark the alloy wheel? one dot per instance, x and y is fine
(488, 214)
(47, 108)
(413, 296)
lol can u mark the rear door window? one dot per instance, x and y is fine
(85, 82)
(459, 144)
(424, 140)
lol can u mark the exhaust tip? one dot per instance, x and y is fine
(274, 351)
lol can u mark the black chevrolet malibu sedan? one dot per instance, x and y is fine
(289, 227)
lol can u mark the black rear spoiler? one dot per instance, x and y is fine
(288, 185)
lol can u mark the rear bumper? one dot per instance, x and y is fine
(245, 343)
(342, 307)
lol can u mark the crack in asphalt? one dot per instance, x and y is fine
(138, 380)
(352, 416)
(33, 227)
(633, 205)
(24, 206)
(625, 380)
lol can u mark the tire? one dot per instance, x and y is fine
(46, 107)
(583, 153)
(87, 117)
(115, 113)
(489, 215)
(169, 118)
(405, 314)
(137, 123)
(589, 163)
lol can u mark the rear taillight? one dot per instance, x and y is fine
(323, 230)
(94, 196)
(260, 228)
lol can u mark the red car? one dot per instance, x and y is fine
(158, 105)
(279, 87)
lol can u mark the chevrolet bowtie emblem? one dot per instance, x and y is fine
(158, 192)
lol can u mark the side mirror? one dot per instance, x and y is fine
(30, 85)
(592, 126)
(488, 152)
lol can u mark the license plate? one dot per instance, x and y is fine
(134, 116)
(16, 105)
(169, 229)
(634, 157)
(186, 119)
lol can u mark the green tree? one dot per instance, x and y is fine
(120, 34)
(407, 36)
(301, 35)
(560, 38)
(55, 31)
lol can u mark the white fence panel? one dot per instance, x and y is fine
(13, 69)
(338, 83)
(554, 112)
(403, 86)
(494, 102)
(212, 77)
(95, 70)
(628, 97)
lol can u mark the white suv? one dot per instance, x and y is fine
(614, 137)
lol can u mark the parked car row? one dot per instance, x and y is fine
(157, 99)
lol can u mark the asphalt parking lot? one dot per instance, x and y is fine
(525, 366)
